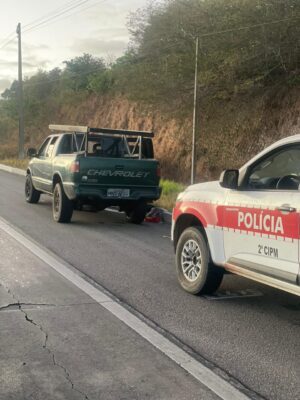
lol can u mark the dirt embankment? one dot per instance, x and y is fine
(230, 131)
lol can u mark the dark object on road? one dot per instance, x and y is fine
(155, 215)
(96, 167)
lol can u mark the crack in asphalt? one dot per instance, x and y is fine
(17, 305)
(8, 306)
(45, 346)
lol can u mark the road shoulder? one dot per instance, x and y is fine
(57, 343)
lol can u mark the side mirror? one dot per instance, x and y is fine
(229, 178)
(31, 152)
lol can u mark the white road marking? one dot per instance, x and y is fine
(200, 372)
(12, 170)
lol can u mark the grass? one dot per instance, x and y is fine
(14, 162)
(170, 191)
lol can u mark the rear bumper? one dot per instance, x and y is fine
(99, 192)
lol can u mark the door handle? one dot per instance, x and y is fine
(286, 208)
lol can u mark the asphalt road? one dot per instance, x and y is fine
(255, 340)
(58, 343)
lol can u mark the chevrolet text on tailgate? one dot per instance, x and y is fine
(94, 168)
(247, 224)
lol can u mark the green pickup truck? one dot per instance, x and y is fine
(94, 168)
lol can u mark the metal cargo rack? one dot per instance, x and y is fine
(127, 136)
(104, 131)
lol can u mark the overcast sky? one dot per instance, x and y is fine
(99, 30)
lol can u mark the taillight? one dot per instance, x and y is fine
(75, 167)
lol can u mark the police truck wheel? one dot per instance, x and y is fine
(195, 271)
(31, 194)
(137, 214)
(62, 206)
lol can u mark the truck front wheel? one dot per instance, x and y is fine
(62, 206)
(31, 194)
(195, 271)
(137, 214)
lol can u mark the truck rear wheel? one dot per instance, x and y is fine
(137, 214)
(195, 271)
(62, 206)
(31, 194)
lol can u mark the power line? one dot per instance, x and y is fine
(5, 44)
(51, 17)
(82, 9)
(247, 27)
(208, 34)
(10, 38)
(45, 21)
(39, 19)
(33, 23)
(59, 16)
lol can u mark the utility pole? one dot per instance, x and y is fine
(20, 95)
(193, 169)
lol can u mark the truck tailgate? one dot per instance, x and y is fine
(118, 172)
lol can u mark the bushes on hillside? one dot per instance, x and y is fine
(244, 44)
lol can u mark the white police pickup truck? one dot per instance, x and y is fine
(248, 224)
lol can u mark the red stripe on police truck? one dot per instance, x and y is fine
(256, 220)
(206, 213)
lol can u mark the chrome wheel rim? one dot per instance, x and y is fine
(191, 260)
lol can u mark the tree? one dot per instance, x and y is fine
(79, 69)
(243, 43)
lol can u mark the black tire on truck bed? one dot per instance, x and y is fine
(32, 195)
(62, 206)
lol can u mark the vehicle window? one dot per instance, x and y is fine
(119, 147)
(51, 146)
(71, 144)
(112, 147)
(65, 146)
(279, 171)
(106, 146)
(43, 148)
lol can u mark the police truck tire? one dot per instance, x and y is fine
(137, 214)
(195, 271)
(32, 195)
(62, 206)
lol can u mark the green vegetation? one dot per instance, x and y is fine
(246, 46)
(13, 162)
(170, 191)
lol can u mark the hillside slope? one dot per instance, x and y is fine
(230, 132)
